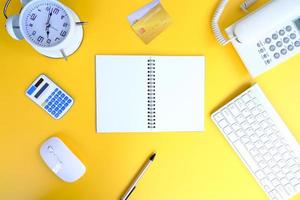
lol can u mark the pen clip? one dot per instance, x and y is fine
(130, 192)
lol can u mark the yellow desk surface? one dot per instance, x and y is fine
(189, 166)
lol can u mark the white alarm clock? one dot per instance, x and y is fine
(50, 27)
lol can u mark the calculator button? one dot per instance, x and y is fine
(52, 100)
(293, 36)
(59, 92)
(281, 32)
(275, 36)
(66, 98)
(56, 102)
(56, 109)
(50, 103)
(52, 93)
(297, 44)
(59, 105)
(46, 107)
(272, 48)
(46, 100)
(57, 115)
(53, 106)
(53, 112)
(276, 55)
(268, 40)
(55, 96)
(59, 99)
(59, 112)
(69, 101)
(279, 44)
(286, 40)
(63, 108)
(283, 51)
(62, 95)
(290, 47)
(50, 109)
(66, 104)
(56, 89)
(288, 28)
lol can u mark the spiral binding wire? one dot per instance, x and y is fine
(151, 94)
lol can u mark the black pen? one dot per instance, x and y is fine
(138, 177)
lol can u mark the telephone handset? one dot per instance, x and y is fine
(265, 37)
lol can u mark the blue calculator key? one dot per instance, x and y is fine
(53, 112)
(46, 107)
(59, 112)
(53, 106)
(62, 95)
(31, 90)
(57, 115)
(59, 92)
(55, 96)
(69, 101)
(46, 100)
(63, 108)
(66, 98)
(59, 99)
(56, 109)
(50, 103)
(50, 109)
(56, 102)
(66, 104)
(52, 100)
(56, 89)
(59, 105)
(63, 102)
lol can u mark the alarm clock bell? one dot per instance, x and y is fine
(56, 45)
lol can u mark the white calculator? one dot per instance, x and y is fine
(49, 96)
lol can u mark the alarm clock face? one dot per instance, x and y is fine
(45, 23)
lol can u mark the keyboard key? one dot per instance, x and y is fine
(69, 101)
(59, 92)
(62, 95)
(260, 174)
(243, 151)
(218, 117)
(228, 130)
(223, 123)
(234, 110)
(229, 118)
(232, 137)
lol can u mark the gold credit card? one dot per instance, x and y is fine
(152, 23)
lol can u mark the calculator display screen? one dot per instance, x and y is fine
(297, 22)
(41, 90)
(38, 83)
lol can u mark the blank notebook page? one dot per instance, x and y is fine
(172, 100)
(179, 93)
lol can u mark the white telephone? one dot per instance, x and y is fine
(265, 37)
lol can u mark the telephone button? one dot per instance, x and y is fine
(272, 48)
(293, 36)
(281, 32)
(275, 36)
(279, 44)
(297, 44)
(290, 47)
(288, 28)
(268, 40)
(283, 51)
(276, 55)
(286, 40)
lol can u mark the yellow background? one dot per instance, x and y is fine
(189, 166)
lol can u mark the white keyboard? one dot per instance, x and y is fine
(263, 142)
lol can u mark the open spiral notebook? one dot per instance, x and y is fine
(150, 93)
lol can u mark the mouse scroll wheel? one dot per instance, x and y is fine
(50, 149)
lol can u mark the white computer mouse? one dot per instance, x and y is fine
(60, 159)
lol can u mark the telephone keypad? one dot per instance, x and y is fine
(279, 44)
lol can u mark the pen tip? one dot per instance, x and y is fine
(152, 157)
